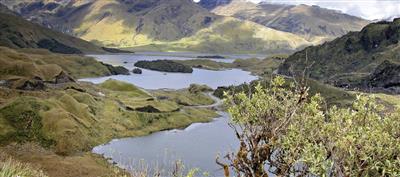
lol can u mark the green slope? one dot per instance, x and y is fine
(16, 32)
(352, 60)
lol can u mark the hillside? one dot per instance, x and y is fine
(173, 25)
(367, 59)
(16, 32)
(58, 120)
(312, 22)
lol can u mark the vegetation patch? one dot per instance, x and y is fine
(164, 66)
(26, 122)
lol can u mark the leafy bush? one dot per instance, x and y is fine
(285, 132)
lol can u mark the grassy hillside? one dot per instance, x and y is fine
(233, 35)
(312, 22)
(64, 119)
(175, 25)
(350, 60)
(16, 32)
(34, 63)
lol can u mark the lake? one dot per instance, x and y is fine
(198, 145)
(159, 80)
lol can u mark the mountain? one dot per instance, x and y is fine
(367, 59)
(155, 25)
(16, 32)
(313, 22)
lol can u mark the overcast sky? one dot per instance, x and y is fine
(368, 9)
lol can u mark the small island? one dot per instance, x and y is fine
(212, 57)
(164, 66)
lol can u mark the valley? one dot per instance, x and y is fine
(189, 88)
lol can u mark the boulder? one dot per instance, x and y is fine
(137, 71)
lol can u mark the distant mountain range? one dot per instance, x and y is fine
(369, 59)
(312, 22)
(182, 25)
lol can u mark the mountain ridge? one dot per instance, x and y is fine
(312, 22)
(175, 25)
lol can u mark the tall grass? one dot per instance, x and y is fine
(12, 168)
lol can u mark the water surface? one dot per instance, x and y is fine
(158, 80)
(197, 146)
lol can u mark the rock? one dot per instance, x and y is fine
(63, 78)
(386, 76)
(28, 84)
(164, 66)
(137, 71)
(148, 109)
(116, 70)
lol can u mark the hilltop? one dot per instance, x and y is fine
(367, 59)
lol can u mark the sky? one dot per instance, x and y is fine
(368, 9)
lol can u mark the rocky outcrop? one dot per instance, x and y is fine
(148, 109)
(164, 66)
(137, 71)
(116, 70)
(33, 84)
(386, 76)
(63, 78)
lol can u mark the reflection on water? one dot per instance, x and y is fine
(156, 80)
(196, 146)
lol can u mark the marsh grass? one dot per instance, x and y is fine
(12, 168)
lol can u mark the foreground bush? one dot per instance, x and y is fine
(285, 132)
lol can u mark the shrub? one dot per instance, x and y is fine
(283, 131)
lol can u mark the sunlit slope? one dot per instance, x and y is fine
(156, 25)
(231, 34)
(313, 22)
